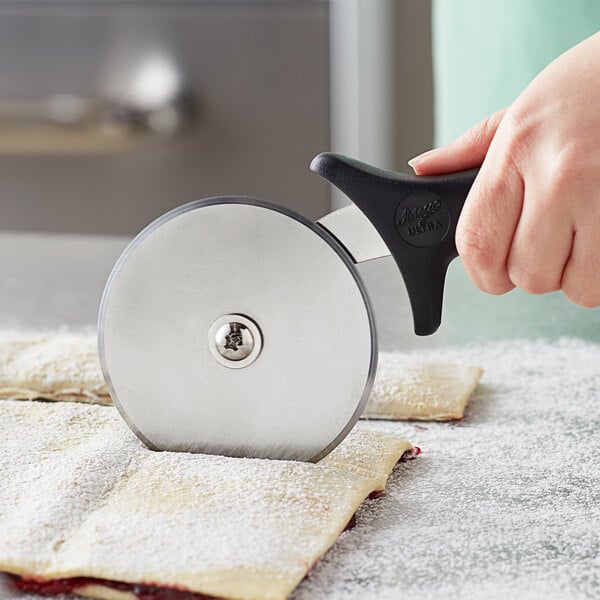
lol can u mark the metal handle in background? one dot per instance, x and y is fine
(413, 218)
(68, 124)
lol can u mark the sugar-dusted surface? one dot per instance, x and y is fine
(505, 504)
(81, 496)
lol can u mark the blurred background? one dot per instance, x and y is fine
(114, 111)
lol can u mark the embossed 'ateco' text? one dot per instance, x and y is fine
(419, 212)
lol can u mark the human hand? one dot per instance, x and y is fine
(532, 217)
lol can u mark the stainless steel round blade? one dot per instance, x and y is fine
(226, 276)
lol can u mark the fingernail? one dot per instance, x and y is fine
(413, 161)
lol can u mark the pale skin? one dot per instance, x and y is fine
(532, 217)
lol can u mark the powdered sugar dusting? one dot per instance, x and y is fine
(408, 388)
(62, 366)
(504, 504)
(82, 496)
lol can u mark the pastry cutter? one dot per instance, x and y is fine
(235, 326)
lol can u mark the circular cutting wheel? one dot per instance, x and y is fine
(233, 326)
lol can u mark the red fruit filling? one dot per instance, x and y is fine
(57, 587)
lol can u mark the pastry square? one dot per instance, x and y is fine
(86, 509)
(407, 389)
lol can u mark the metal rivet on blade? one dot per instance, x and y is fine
(235, 341)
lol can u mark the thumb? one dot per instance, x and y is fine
(465, 152)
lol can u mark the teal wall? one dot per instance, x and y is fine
(485, 53)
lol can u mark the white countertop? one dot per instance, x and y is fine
(50, 281)
(504, 504)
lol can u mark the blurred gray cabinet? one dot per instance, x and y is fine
(87, 146)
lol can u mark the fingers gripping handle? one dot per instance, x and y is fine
(416, 218)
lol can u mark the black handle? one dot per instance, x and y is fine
(415, 215)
